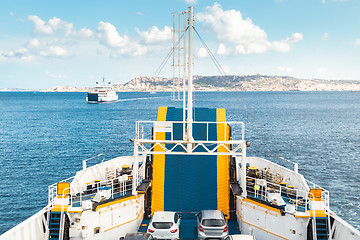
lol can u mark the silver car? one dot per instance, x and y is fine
(212, 224)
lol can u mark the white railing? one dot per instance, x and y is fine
(141, 174)
(85, 162)
(215, 136)
(262, 189)
(52, 189)
(119, 186)
(144, 129)
(62, 217)
(325, 195)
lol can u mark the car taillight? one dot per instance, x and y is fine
(173, 231)
(225, 228)
(201, 229)
(150, 230)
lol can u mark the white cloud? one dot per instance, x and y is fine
(40, 26)
(20, 53)
(155, 35)
(16, 53)
(325, 36)
(58, 38)
(11, 14)
(140, 13)
(33, 43)
(357, 42)
(84, 33)
(35, 48)
(241, 34)
(55, 51)
(222, 50)
(110, 37)
(47, 48)
(285, 45)
(131, 49)
(53, 26)
(57, 26)
(202, 53)
(190, 2)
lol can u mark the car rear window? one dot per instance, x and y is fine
(213, 222)
(162, 225)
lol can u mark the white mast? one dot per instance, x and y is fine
(190, 80)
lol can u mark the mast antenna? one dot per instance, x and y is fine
(190, 79)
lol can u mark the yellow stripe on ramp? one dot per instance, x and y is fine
(223, 185)
(157, 195)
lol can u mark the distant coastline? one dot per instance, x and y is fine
(218, 83)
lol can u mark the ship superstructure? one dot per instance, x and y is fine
(189, 159)
(102, 93)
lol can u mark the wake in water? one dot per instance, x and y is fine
(141, 98)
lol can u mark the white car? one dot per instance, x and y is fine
(164, 225)
(240, 237)
(212, 224)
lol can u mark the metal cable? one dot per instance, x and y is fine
(160, 68)
(247, 108)
(217, 64)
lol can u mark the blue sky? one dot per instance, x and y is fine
(50, 43)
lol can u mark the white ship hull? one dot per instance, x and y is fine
(126, 217)
(102, 93)
(111, 220)
(104, 97)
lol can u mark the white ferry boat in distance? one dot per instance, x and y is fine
(102, 93)
(188, 160)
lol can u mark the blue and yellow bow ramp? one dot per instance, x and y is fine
(190, 183)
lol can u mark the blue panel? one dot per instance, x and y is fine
(92, 97)
(190, 183)
(199, 131)
(170, 114)
(205, 115)
(178, 127)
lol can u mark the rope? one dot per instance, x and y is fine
(217, 64)
(160, 68)
(247, 109)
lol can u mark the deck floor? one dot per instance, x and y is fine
(188, 227)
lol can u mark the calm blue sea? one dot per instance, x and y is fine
(45, 136)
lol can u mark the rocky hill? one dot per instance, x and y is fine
(231, 83)
(67, 89)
